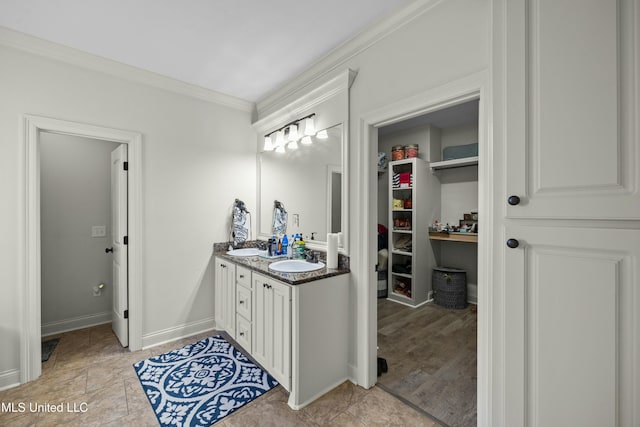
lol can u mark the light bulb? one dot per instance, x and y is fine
(306, 140)
(268, 144)
(280, 149)
(293, 133)
(280, 138)
(322, 134)
(309, 126)
(293, 145)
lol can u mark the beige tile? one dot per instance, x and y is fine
(137, 402)
(267, 411)
(379, 408)
(333, 403)
(345, 420)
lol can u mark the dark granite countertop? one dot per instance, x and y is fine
(261, 265)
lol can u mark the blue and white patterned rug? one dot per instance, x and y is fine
(200, 383)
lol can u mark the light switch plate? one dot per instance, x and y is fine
(99, 231)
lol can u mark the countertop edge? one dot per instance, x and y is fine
(292, 279)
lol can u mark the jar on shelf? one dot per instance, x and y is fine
(397, 152)
(411, 151)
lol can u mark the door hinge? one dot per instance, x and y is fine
(126, 314)
(126, 240)
(125, 165)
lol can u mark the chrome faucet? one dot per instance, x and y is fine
(311, 256)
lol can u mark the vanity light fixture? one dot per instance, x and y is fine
(309, 126)
(322, 134)
(290, 132)
(268, 144)
(293, 133)
(280, 138)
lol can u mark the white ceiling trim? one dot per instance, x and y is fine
(35, 45)
(340, 55)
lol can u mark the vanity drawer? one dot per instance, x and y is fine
(243, 332)
(243, 276)
(243, 302)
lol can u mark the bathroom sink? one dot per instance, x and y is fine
(245, 252)
(295, 266)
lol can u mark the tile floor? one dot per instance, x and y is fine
(89, 366)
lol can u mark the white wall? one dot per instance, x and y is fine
(450, 40)
(75, 194)
(190, 149)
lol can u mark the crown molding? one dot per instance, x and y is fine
(341, 54)
(17, 40)
(315, 96)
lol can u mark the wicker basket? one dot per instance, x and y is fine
(449, 287)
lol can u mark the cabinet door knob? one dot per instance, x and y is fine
(108, 250)
(264, 285)
(241, 334)
(242, 276)
(513, 200)
(513, 243)
(241, 301)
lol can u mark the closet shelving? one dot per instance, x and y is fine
(410, 257)
(455, 163)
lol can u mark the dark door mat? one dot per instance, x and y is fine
(48, 347)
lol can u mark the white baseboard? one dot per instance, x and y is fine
(177, 332)
(317, 395)
(80, 322)
(9, 379)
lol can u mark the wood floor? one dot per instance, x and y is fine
(90, 369)
(431, 353)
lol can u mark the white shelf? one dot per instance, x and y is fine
(406, 276)
(455, 163)
(402, 231)
(402, 210)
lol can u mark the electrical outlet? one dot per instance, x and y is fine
(99, 231)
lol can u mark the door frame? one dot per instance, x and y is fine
(475, 86)
(31, 334)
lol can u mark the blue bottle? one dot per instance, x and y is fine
(285, 245)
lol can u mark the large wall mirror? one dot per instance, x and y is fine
(308, 181)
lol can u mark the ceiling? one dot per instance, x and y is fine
(456, 115)
(243, 48)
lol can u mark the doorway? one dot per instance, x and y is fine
(77, 211)
(33, 129)
(428, 261)
(453, 93)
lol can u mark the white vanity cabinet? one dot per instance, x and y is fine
(272, 327)
(225, 296)
(244, 312)
(297, 332)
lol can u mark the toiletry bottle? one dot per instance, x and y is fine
(269, 247)
(279, 251)
(301, 248)
(285, 245)
(274, 245)
(291, 246)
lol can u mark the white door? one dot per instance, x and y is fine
(120, 315)
(567, 290)
(262, 321)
